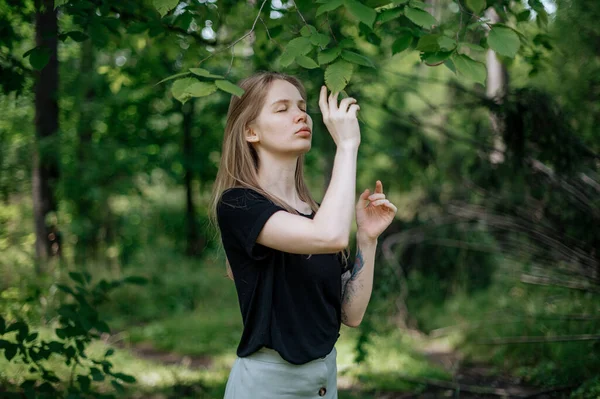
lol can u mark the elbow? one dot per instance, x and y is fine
(353, 323)
(341, 243)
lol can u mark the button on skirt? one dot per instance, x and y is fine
(266, 375)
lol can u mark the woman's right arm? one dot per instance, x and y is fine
(329, 230)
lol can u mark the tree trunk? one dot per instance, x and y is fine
(496, 88)
(45, 157)
(194, 244)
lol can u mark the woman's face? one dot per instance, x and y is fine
(276, 128)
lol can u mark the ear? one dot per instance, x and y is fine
(251, 136)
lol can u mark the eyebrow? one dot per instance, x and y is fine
(286, 101)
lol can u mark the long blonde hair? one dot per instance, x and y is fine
(239, 159)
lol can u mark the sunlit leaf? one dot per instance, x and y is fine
(338, 74)
(204, 73)
(229, 87)
(328, 55)
(389, 15)
(306, 62)
(469, 68)
(363, 13)
(504, 41)
(404, 40)
(358, 59)
(477, 6)
(420, 17)
(164, 6)
(329, 5)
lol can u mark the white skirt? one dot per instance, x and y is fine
(266, 375)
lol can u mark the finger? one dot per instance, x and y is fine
(379, 187)
(376, 196)
(365, 194)
(345, 103)
(379, 202)
(323, 101)
(353, 110)
(333, 97)
(391, 206)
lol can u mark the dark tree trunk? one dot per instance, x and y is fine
(45, 158)
(194, 244)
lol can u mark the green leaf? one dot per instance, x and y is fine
(109, 352)
(179, 89)
(97, 374)
(125, 377)
(329, 6)
(10, 352)
(286, 59)
(2, 325)
(338, 74)
(38, 57)
(229, 87)
(117, 386)
(347, 42)
(417, 4)
(436, 58)
(420, 17)
(389, 15)
(31, 337)
(58, 3)
(504, 41)
(164, 6)
(308, 30)
(357, 59)
(470, 68)
(365, 14)
(320, 39)
(471, 46)
(299, 46)
(477, 6)
(306, 62)
(446, 43)
(328, 55)
(404, 40)
(204, 73)
(84, 382)
(429, 43)
(524, 16)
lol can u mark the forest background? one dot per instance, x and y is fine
(480, 117)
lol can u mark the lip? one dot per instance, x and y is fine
(304, 131)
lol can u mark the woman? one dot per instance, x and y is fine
(286, 253)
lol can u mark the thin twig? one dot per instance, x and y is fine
(241, 38)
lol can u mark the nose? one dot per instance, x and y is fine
(301, 115)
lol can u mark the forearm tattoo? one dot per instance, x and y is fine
(350, 285)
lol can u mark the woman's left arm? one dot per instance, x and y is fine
(357, 284)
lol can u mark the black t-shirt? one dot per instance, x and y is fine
(289, 302)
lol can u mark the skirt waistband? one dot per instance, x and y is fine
(270, 355)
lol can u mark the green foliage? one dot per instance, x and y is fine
(504, 41)
(79, 324)
(420, 17)
(477, 6)
(469, 68)
(338, 74)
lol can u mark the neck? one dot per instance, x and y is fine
(277, 176)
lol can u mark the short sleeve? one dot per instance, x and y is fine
(242, 213)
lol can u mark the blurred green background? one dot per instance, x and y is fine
(487, 282)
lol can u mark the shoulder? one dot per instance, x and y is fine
(240, 196)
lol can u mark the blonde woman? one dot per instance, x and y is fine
(285, 252)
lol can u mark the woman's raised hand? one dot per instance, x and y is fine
(340, 121)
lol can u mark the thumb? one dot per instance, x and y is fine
(364, 196)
